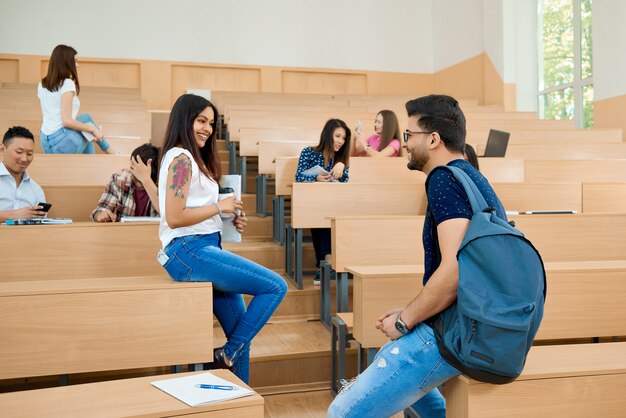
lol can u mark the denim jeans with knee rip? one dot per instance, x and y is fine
(405, 372)
(200, 258)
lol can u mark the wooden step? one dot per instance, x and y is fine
(288, 356)
(298, 305)
(310, 404)
(258, 227)
(249, 202)
(268, 253)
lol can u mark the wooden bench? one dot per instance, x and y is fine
(135, 397)
(313, 204)
(559, 238)
(314, 208)
(585, 171)
(599, 314)
(74, 202)
(79, 250)
(604, 197)
(379, 170)
(268, 152)
(564, 137)
(58, 326)
(76, 169)
(554, 151)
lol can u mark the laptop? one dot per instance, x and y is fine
(496, 143)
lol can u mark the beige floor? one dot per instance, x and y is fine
(300, 405)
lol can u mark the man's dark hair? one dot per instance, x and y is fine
(15, 132)
(442, 114)
(148, 152)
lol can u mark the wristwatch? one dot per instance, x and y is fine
(401, 326)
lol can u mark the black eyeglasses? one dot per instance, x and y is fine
(407, 134)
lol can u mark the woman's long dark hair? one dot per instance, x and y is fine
(180, 133)
(62, 65)
(391, 129)
(326, 146)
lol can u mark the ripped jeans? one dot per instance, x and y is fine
(200, 258)
(405, 372)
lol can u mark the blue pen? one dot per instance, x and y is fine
(218, 387)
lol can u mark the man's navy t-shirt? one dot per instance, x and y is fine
(447, 200)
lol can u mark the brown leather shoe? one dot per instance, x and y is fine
(221, 361)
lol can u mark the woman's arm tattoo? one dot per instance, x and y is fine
(181, 173)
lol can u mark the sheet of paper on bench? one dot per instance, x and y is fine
(140, 219)
(185, 389)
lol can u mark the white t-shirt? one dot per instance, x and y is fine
(51, 106)
(203, 191)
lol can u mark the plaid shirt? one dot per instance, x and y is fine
(118, 196)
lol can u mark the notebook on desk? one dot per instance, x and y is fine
(497, 142)
(200, 389)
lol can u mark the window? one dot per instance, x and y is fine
(565, 61)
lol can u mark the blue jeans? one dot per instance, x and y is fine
(200, 258)
(69, 141)
(405, 372)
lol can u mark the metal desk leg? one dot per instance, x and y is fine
(261, 195)
(243, 169)
(365, 357)
(410, 413)
(342, 292)
(288, 251)
(298, 257)
(232, 158)
(325, 293)
(278, 217)
(339, 338)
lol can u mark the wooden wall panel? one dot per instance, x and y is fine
(105, 74)
(609, 113)
(9, 70)
(323, 82)
(214, 78)
(464, 80)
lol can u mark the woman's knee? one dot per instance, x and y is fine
(280, 286)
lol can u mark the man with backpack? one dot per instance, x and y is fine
(409, 368)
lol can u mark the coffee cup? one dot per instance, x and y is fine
(225, 193)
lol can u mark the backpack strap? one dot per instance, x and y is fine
(476, 199)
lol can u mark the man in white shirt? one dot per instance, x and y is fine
(19, 194)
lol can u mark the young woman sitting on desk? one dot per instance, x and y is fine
(191, 229)
(61, 132)
(386, 139)
(331, 154)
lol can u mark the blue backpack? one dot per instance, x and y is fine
(489, 330)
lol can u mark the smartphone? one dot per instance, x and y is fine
(358, 126)
(45, 206)
(34, 221)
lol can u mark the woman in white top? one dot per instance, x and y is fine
(58, 94)
(190, 232)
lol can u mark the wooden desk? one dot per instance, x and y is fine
(59, 326)
(80, 250)
(124, 398)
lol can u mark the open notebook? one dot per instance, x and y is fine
(188, 390)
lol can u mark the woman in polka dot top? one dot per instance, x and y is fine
(332, 154)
